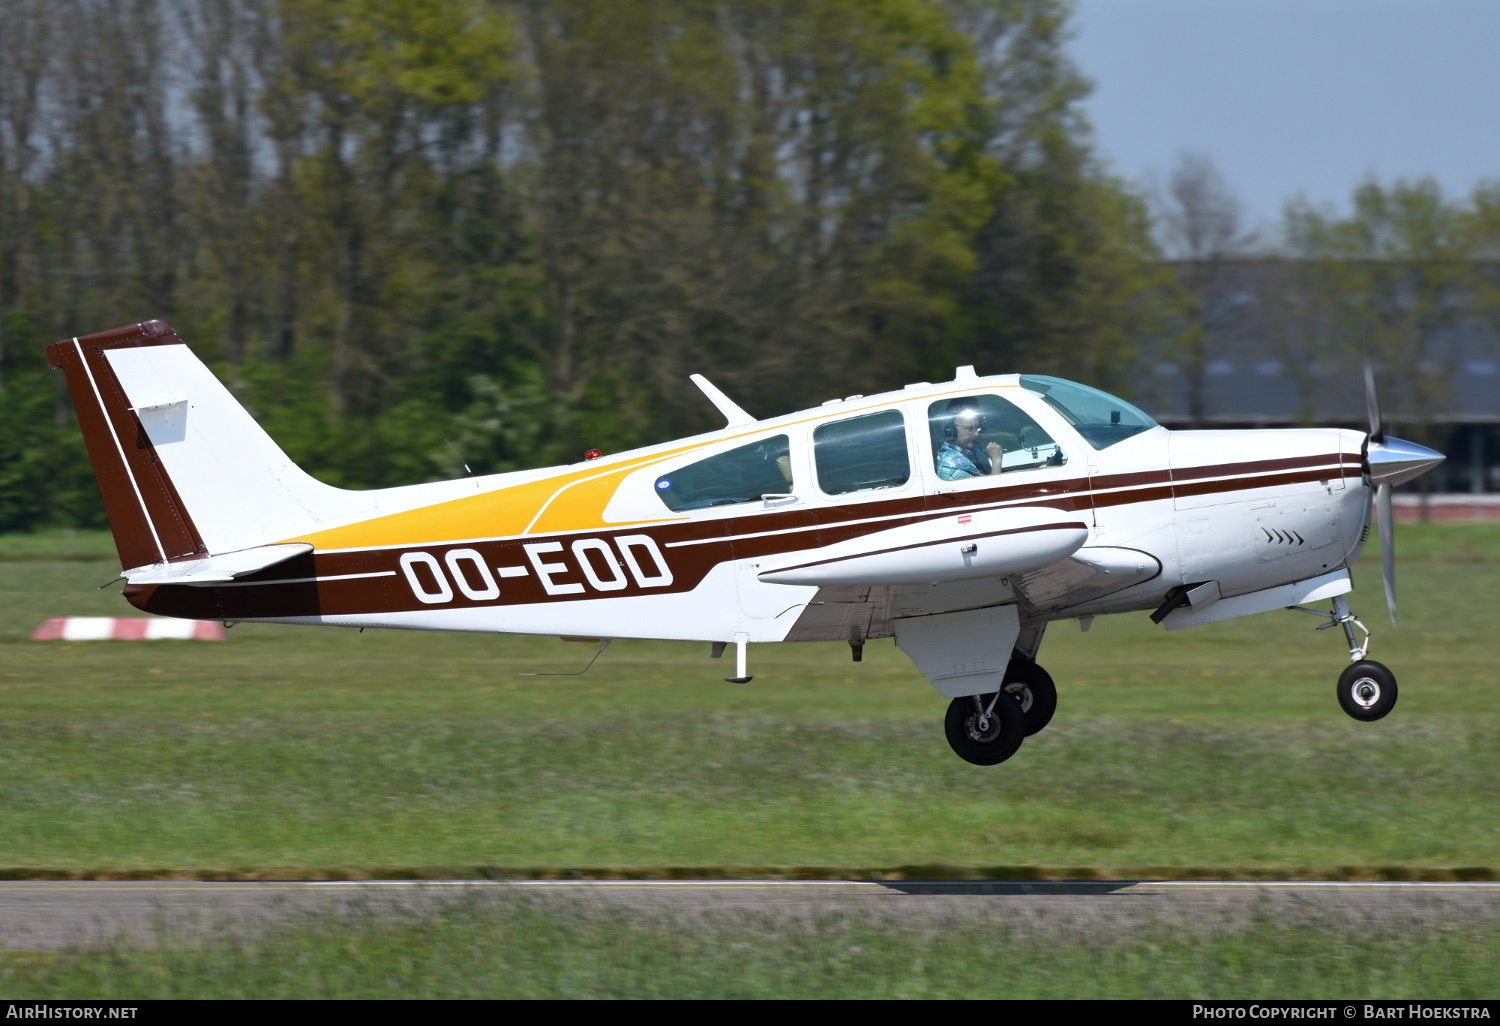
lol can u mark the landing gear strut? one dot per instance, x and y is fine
(1366, 689)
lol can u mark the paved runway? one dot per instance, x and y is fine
(38, 915)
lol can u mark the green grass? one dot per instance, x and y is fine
(509, 947)
(299, 751)
(501, 946)
(1451, 543)
(57, 544)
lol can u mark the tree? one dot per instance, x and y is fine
(1067, 277)
(26, 46)
(1392, 277)
(1201, 224)
(520, 224)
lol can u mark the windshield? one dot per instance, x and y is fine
(1099, 417)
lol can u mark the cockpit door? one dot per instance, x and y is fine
(1001, 445)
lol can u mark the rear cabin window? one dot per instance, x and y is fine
(980, 436)
(739, 475)
(862, 454)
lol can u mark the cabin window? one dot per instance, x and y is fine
(1099, 417)
(862, 454)
(979, 436)
(745, 474)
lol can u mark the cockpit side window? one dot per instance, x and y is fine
(980, 436)
(862, 454)
(1099, 417)
(745, 474)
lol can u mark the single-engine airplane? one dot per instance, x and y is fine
(961, 517)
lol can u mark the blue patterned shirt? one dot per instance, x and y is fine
(954, 463)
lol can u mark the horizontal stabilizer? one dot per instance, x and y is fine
(217, 569)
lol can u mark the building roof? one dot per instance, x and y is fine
(1263, 365)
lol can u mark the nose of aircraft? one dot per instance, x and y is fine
(1394, 460)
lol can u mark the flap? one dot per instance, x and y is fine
(1088, 575)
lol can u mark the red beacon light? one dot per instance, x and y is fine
(593, 454)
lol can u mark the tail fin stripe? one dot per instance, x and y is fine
(145, 513)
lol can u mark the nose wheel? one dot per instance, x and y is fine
(1367, 690)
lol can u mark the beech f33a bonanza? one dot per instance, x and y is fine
(961, 518)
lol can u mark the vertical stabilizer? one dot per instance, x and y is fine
(184, 470)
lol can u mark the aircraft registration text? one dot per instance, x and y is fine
(587, 564)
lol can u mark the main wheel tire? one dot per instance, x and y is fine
(1367, 690)
(1033, 686)
(997, 741)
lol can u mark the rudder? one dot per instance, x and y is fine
(148, 518)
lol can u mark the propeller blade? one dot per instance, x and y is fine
(1387, 547)
(1372, 403)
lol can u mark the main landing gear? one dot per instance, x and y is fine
(1033, 687)
(1366, 689)
(985, 729)
(988, 729)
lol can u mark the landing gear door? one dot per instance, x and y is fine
(961, 653)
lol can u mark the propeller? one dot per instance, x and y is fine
(1383, 511)
(1387, 546)
(1372, 404)
(1392, 461)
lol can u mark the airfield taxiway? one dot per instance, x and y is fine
(40, 915)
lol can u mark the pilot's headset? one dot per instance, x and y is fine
(961, 408)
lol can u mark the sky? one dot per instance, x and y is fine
(1295, 97)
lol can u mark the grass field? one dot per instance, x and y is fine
(299, 751)
(503, 946)
(296, 752)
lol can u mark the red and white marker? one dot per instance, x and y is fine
(137, 628)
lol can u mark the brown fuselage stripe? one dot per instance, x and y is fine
(1263, 466)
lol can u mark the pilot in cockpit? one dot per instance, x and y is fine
(960, 456)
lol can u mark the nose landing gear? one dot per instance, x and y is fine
(1366, 689)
